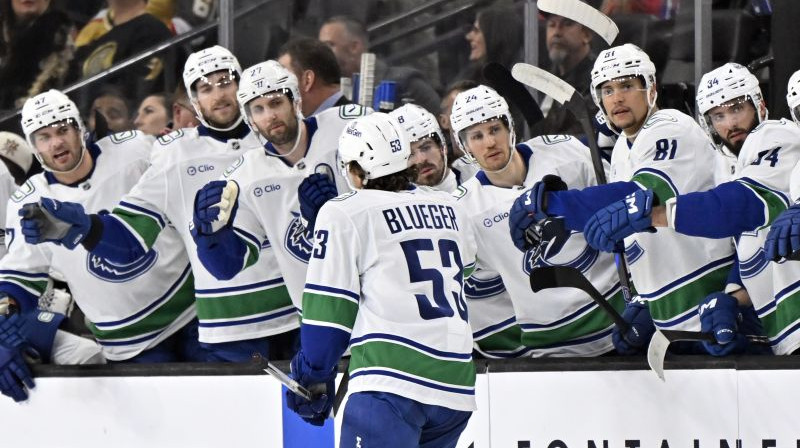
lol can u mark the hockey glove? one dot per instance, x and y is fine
(619, 220)
(783, 239)
(720, 315)
(529, 210)
(314, 191)
(635, 340)
(64, 223)
(15, 375)
(215, 207)
(319, 383)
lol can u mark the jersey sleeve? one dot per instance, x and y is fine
(24, 269)
(333, 288)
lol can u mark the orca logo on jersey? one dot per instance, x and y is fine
(297, 240)
(192, 170)
(582, 262)
(120, 273)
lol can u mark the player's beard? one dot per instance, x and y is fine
(432, 178)
(736, 147)
(215, 119)
(285, 136)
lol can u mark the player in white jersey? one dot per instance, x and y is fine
(279, 187)
(661, 150)
(561, 322)
(138, 312)
(236, 316)
(429, 150)
(386, 278)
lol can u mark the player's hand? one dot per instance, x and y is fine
(215, 207)
(313, 193)
(15, 376)
(720, 315)
(49, 220)
(621, 219)
(635, 340)
(320, 384)
(529, 209)
(783, 239)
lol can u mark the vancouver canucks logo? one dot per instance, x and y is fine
(754, 265)
(533, 259)
(297, 240)
(119, 273)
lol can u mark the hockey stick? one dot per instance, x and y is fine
(584, 14)
(287, 381)
(341, 391)
(514, 91)
(547, 277)
(657, 350)
(565, 94)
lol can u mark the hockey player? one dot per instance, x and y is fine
(279, 188)
(386, 278)
(141, 311)
(661, 150)
(565, 322)
(429, 150)
(237, 316)
(732, 110)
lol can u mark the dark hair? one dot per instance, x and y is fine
(166, 101)
(354, 27)
(503, 31)
(311, 54)
(398, 181)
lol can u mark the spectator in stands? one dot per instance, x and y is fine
(153, 115)
(35, 49)
(348, 39)
(317, 72)
(659, 8)
(131, 30)
(183, 114)
(445, 108)
(496, 36)
(571, 59)
(114, 107)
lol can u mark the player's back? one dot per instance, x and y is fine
(403, 257)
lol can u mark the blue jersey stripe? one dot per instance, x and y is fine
(417, 345)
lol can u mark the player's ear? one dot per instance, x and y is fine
(308, 80)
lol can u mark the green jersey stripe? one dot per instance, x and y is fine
(260, 302)
(326, 308)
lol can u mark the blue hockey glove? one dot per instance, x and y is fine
(720, 315)
(783, 238)
(320, 384)
(529, 209)
(49, 220)
(621, 219)
(215, 207)
(313, 192)
(635, 340)
(15, 375)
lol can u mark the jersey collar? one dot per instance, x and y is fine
(239, 132)
(311, 129)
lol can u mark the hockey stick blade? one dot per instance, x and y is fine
(584, 14)
(657, 350)
(543, 81)
(290, 384)
(546, 277)
(501, 80)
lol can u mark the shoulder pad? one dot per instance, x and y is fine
(344, 196)
(23, 191)
(460, 192)
(123, 136)
(555, 139)
(660, 117)
(233, 167)
(171, 137)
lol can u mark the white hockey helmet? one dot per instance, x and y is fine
(45, 109)
(478, 105)
(262, 79)
(377, 142)
(723, 85)
(418, 123)
(623, 61)
(793, 96)
(203, 62)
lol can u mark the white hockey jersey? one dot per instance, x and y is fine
(130, 307)
(253, 304)
(765, 163)
(554, 322)
(388, 268)
(672, 155)
(460, 171)
(269, 209)
(7, 186)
